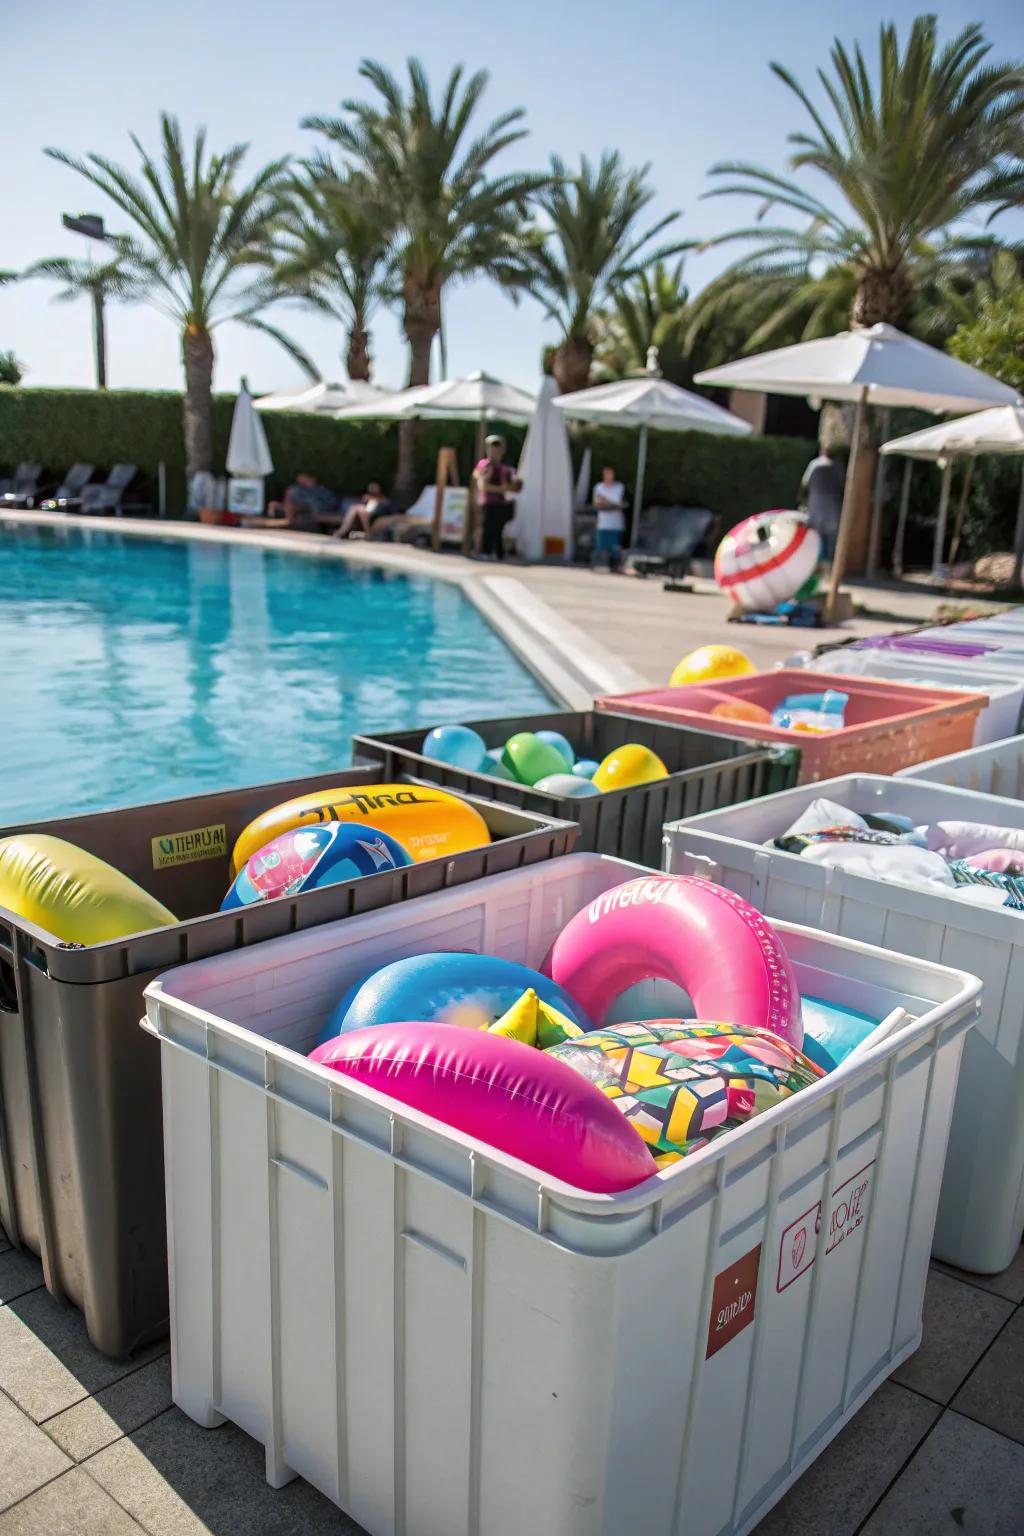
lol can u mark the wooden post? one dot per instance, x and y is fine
(901, 525)
(447, 473)
(846, 515)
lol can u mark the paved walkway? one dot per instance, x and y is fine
(92, 1447)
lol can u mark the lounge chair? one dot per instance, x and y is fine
(68, 494)
(668, 539)
(108, 497)
(22, 489)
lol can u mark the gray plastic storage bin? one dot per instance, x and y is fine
(81, 1162)
(706, 771)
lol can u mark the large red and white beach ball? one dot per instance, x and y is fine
(766, 559)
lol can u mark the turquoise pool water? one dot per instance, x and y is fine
(140, 669)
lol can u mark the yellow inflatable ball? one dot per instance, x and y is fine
(709, 664)
(629, 765)
(72, 894)
(429, 823)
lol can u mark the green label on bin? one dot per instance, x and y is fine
(190, 847)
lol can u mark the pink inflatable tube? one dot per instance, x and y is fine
(504, 1093)
(708, 940)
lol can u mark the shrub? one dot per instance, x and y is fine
(55, 427)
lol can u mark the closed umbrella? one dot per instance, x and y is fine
(544, 505)
(877, 365)
(320, 399)
(999, 430)
(646, 402)
(248, 454)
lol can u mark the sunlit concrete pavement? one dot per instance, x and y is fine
(93, 1447)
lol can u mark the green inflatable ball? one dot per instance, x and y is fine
(531, 759)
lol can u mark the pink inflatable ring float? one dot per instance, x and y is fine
(676, 928)
(504, 1093)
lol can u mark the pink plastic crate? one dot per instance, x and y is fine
(888, 725)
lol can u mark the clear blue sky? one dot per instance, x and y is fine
(678, 84)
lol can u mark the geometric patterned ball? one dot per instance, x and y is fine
(681, 1082)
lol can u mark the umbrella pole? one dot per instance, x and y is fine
(638, 498)
(846, 515)
(961, 512)
(901, 523)
(878, 500)
(940, 521)
(1018, 537)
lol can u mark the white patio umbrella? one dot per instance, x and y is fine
(322, 399)
(544, 505)
(248, 454)
(999, 430)
(477, 397)
(875, 366)
(646, 402)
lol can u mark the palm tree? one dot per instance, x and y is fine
(337, 254)
(120, 278)
(203, 233)
(593, 247)
(937, 136)
(453, 218)
(650, 311)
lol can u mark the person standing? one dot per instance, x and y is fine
(821, 495)
(495, 480)
(609, 503)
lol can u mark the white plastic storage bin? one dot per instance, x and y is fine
(445, 1341)
(981, 1211)
(1001, 716)
(994, 770)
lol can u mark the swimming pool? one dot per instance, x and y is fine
(139, 669)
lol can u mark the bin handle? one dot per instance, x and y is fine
(697, 864)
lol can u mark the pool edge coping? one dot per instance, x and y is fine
(565, 660)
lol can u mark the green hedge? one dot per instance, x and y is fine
(56, 427)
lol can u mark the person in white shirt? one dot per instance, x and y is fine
(609, 502)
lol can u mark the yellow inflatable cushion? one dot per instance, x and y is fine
(535, 1023)
(429, 823)
(71, 893)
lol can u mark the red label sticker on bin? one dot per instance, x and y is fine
(732, 1301)
(799, 1246)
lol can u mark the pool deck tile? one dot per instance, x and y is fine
(907, 1464)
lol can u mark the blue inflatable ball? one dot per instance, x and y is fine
(561, 745)
(585, 767)
(307, 858)
(456, 745)
(567, 784)
(494, 765)
(455, 988)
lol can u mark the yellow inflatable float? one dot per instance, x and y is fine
(429, 823)
(72, 894)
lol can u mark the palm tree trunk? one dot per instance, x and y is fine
(100, 337)
(572, 363)
(357, 359)
(197, 353)
(421, 322)
(883, 296)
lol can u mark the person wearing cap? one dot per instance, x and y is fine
(494, 480)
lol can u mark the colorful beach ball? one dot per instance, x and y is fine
(766, 559)
(680, 1082)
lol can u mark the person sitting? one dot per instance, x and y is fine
(371, 508)
(494, 481)
(609, 503)
(304, 502)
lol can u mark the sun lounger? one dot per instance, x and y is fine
(109, 496)
(22, 489)
(668, 539)
(68, 494)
